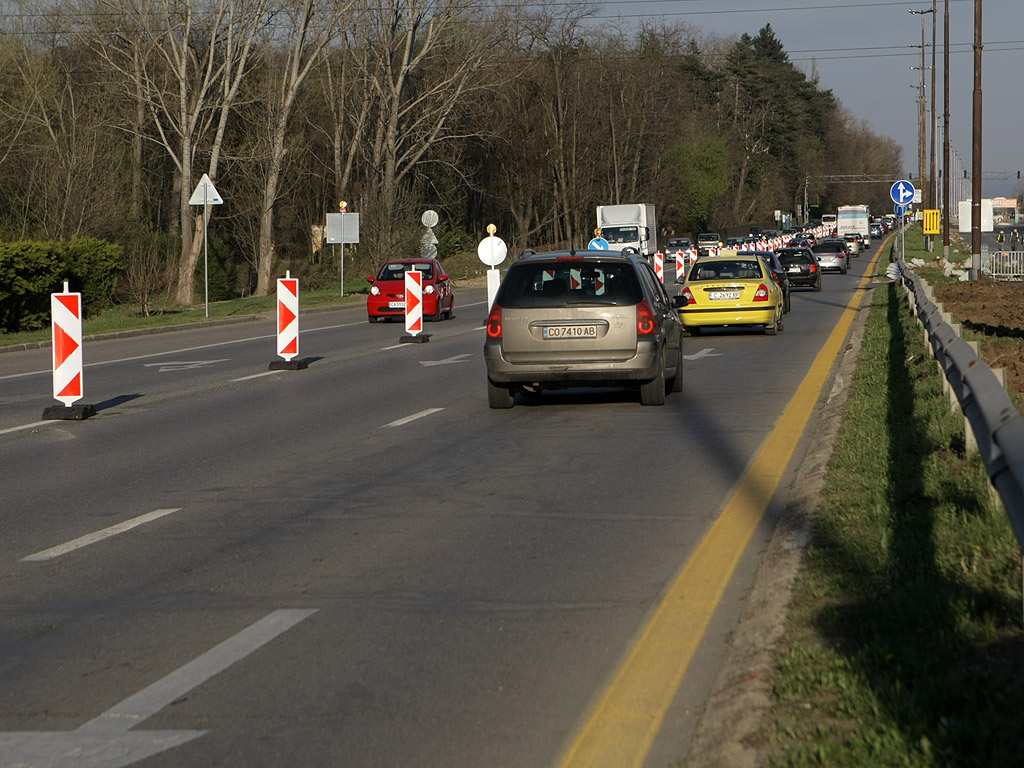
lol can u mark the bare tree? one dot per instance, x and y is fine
(308, 41)
(186, 60)
(425, 60)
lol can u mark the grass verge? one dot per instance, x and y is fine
(127, 317)
(904, 645)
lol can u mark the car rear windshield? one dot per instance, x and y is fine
(793, 257)
(567, 284)
(826, 248)
(726, 269)
(395, 270)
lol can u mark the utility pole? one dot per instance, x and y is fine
(946, 214)
(924, 175)
(976, 141)
(933, 189)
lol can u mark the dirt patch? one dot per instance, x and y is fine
(995, 312)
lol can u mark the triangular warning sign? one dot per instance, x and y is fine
(205, 193)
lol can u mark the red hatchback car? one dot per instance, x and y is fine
(387, 290)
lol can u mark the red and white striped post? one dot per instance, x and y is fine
(659, 266)
(288, 324)
(414, 308)
(288, 316)
(66, 336)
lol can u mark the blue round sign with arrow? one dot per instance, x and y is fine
(902, 192)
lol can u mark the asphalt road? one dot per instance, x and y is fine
(359, 564)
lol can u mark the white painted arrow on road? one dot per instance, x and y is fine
(184, 365)
(105, 741)
(446, 361)
(709, 352)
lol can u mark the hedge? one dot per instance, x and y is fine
(30, 271)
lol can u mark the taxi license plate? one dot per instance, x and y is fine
(569, 331)
(724, 295)
(396, 305)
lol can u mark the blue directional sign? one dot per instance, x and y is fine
(900, 210)
(902, 192)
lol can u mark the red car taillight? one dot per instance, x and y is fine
(494, 323)
(762, 293)
(814, 268)
(646, 325)
(688, 295)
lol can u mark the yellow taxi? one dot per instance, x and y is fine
(730, 290)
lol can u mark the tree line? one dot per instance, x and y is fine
(524, 115)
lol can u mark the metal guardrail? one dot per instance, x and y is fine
(997, 425)
(1003, 265)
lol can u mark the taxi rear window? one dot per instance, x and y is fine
(726, 269)
(567, 284)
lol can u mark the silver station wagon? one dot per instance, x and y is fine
(582, 319)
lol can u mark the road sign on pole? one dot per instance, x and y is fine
(902, 192)
(492, 250)
(206, 194)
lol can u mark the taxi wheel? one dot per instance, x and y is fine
(772, 328)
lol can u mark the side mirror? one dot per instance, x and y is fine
(442, 276)
(369, 279)
(678, 302)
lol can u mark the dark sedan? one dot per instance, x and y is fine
(801, 267)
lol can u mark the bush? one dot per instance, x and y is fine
(30, 271)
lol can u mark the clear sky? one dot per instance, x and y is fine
(864, 53)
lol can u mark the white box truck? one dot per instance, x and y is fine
(629, 226)
(854, 219)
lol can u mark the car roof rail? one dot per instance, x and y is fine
(526, 252)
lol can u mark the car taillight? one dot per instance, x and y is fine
(762, 293)
(688, 295)
(645, 322)
(814, 268)
(494, 323)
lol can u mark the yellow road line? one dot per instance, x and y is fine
(623, 723)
